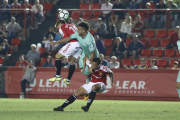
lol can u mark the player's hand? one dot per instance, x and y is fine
(82, 70)
(112, 84)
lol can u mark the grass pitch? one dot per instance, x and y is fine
(42, 109)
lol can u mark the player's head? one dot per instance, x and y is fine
(96, 63)
(29, 62)
(60, 22)
(83, 27)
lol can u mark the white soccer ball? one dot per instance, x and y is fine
(63, 14)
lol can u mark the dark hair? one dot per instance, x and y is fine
(21, 55)
(152, 61)
(60, 21)
(84, 24)
(30, 61)
(47, 61)
(97, 60)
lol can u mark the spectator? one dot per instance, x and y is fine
(27, 78)
(126, 28)
(134, 48)
(137, 27)
(70, 21)
(28, 14)
(143, 65)
(148, 14)
(106, 14)
(49, 49)
(48, 62)
(6, 33)
(175, 65)
(103, 61)
(33, 55)
(4, 48)
(5, 14)
(50, 32)
(14, 13)
(99, 44)
(21, 62)
(173, 39)
(159, 15)
(38, 11)
(152, 65)
(136, 3)
(111, 31)
(118, 14)
(114, 64)
(173, 14)
(51, 1)
(118, 48)
(100, 28)
(65, 63)
(13, 27)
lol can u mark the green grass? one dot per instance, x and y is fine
(42, 109)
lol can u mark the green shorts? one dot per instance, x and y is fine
(86, 71)
(178, 77)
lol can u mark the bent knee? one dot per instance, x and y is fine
(178, 85)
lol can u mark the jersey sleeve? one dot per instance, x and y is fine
(91, 44)
(63, 32)
(108, 70)
(74, 36)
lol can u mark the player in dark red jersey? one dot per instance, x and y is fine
(72, 48)
(96, 85)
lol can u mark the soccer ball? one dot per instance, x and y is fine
(63, 14)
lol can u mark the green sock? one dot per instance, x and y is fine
(178, 92)
(88, 80)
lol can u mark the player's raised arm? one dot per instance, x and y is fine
(111, 77)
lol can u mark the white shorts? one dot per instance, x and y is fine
(88, 86)
(72, 48)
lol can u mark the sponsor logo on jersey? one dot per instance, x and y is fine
(100, 74)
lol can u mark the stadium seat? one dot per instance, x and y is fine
(43, 60)
(142, 15)
(162, 63)
(108, 52)
(96, 15)
(10, 50)
(126, 62)
(136, 62)
(76, 15)
(128, 41)
(149, 34)
(170, 32)
(133, 14)
(1, 60)
(84, 6)
(164, 42)
(152, 6)
(171, 62)
(47, 7)
(153, 43)
(41, 50)
(87, 15)
(177, 54)
(145, 53)
(144, 41)
(92, 32)
(161, 34)
(169, 53)
(157, 53)
(15, 41)
(149, 60)
(95, 6)
(107, 42)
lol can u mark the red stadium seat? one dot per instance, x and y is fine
(76, 15)
(47, 7)
(1, 60)
(41, 50)
(15, 41)
(107, 42)
(157, 53)
(128, 41)
(126, 62)
(87, 15)
(171, 62)
(142, 15)
(144, 41)
(153, 43)
(43, 60)
(96, 15)
(161, 34)
(170, 32)
(10, 50)
(92, 32)
(149, 60)
(164, 42)
(149, 34)
(136, 62)
(169, 53)
(177, 54)
(145, 53)
(152, 6)
(133, 14)
(108, 52)
(84, 6)
(162, 63)
(95, 6)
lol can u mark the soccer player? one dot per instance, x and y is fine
(72, 48)
(97, 84)
(178, 78)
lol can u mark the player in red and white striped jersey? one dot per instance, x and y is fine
(97, 84)
(72, 48)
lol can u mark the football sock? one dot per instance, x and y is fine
(91, 98)
(70, 100)
(58, 64)
(71, 71)
(88, 80)
(178, 92)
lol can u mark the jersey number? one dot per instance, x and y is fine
(72, 28)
